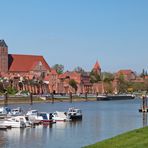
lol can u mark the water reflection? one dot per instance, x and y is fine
(144, 119)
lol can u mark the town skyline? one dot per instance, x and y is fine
(79, 33)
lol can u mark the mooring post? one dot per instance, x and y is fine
(52, 97)
(31, 99)
(86, 98)
(6, 99)
(70, 96)
(97, 94)
(144, 119)
(144, 103)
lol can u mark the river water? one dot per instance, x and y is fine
(101, 120)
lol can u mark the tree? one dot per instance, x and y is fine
(59, 68)
(79, 70)
(73, 84)
(107, 77)
(122, 84)
(94, 77)
(144, 73)
(11, 90)
(2, 89)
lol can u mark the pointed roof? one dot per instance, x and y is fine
(97, 65)
(3, 44)
(25, 63)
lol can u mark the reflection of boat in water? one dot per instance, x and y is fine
(60, 125)
(115, 97)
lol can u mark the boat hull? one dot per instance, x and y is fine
(76, 117)
(114, 97)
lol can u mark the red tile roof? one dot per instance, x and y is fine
(125, 72)
(53, 71)
(64, 75)
(24, 63)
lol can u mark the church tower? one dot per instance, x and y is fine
(3, 56)
(97, 68)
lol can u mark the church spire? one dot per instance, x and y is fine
(3, 44)
(97, 65)
(3, 56)
(97, 68)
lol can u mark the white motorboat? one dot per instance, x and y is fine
(25, 119)
(16, 112)
(60, 116)
(74, 113)
(34, 115)
(4, 111)
(13, 122)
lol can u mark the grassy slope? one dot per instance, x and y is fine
(133, 139)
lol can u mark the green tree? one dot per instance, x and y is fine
(79, 70)
(73, 84)
(11, 90)
(143, 74)
(107, 77)
(94, 77)
(122, 84)
(59, 68)
(2, 89)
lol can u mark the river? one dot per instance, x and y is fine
(101, 120)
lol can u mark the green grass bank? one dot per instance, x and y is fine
(134, 139)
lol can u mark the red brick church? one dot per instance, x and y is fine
(17, 63)
(23, 72)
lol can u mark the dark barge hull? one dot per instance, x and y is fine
(116, 97)
(76, 117)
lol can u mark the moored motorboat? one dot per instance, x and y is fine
(25, 119)
(4, 111)
(60, 116)
(74, 113)
(143, 109)
(36, 116)
(13, 122)
(16, 111)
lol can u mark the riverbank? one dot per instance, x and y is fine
(26, 100)
(133, 139)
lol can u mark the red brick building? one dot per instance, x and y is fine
(24, 72)
(128, 75)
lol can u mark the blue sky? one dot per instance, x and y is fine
(78, 32)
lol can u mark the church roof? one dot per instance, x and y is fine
(24, 63)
